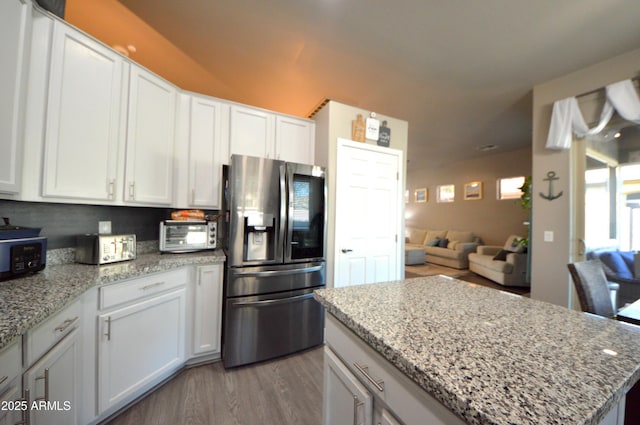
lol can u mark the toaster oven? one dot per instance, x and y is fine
(187, 235)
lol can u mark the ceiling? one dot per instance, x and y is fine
(460, 72)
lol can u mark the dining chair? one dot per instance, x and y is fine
(593, 289)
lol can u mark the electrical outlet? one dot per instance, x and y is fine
(104, 227)
(548, 235)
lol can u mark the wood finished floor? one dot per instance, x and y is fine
(284, 391)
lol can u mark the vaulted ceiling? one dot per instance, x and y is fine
(460, 72)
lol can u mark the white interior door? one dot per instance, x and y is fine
(368, 214)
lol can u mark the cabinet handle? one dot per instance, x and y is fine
(153, 285)
(112, 188)
(63, 327)
(193, 196)
(356, 403)
(108, 333)
(379, 384)
(132, 191)
(26, 417)
(46, 385)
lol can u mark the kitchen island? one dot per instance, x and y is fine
(481, 355)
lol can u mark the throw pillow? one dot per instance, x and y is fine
(614, 261)
(627, 257)
(434, 242)
(452, 244)
(501, 255)
(435, 234)
(442, 243)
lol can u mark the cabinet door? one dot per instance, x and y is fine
(139, 345)
(252, 132)
(294, 140)
(205, 153)
(14, 21)
(386, 418)
(150, 139)
(83, 127)
(345, 399)
(10, 413)
(53, 384)
(207, 310)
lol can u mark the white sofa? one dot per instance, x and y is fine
(508, 269)
(455, 251)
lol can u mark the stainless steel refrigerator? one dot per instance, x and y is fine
(275, 245)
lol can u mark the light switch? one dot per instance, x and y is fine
(548, 236)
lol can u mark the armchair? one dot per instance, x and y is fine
(506, 265)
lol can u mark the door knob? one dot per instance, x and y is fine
(344, 251)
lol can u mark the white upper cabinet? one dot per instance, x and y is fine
(294, 139)
(150, 139)
(252, 132)
(82, 135)
(201, 149)
(15, 18)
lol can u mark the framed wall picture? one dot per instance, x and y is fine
(446, 193)
(420, 195)
(473, 191)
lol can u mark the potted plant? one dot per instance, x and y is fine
(525, 203)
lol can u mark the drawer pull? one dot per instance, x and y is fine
(26, 416)
(4, 378)
(356, 404)
(153, 285)
(63, 327)
(46, 385)
(108, 333)
(379, 384)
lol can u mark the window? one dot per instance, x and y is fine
(509, 188)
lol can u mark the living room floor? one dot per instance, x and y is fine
(466, 275)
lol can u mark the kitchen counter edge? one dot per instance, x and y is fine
(26, 302)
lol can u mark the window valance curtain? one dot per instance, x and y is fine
(566, 118)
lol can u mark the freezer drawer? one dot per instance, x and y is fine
(276, 278)
(263, 327)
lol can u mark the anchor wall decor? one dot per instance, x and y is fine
(551, 176)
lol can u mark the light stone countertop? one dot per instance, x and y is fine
(490, 356)
(27, 301)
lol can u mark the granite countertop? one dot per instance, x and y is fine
(490, 356)
(27, 301)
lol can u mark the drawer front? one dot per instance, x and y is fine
(10, 364)
(403, 396)
(46, 335)
(135, 289)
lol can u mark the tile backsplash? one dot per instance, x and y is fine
(61, 223)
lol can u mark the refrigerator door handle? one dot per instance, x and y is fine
(284, 199)
(279, 272)
(273, 302)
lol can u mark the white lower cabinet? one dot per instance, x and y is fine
(346, 400)
(12, 411)
(139, 345)
(384, 417)
(207, 311)
(396, 399)
(52, 384)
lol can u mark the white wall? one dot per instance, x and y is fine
(550, 279)
(333, 121)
